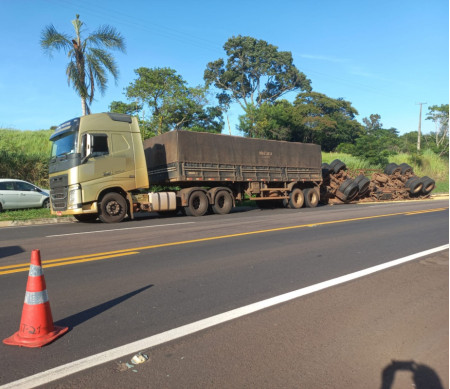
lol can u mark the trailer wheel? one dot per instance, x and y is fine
(363, 184)
(392, 168)
(311, 197)
(197, 205)
(113, 208)
(406, 169)
(86, 217)
(222, 203)
(296, 199)
(414, 185)
(428, 185)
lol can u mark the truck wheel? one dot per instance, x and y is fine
(296, 199)
(311, 197)
(113, 208)
(428, 185)
(414, 185)
(363, 184)
(86, 218)
(392, 168)
(338, 167)
(406, 169)
(223, 203)
(198, 204)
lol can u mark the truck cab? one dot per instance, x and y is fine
(96, 160)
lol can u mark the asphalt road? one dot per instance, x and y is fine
(115, 284)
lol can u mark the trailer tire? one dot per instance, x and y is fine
(428, 185)
(113, 208)
(312, 197)
(325, 169)
(414, 185)
(351, 191)
(86, 217)
(197, 204)
(296, 199)
(223, 203)
(392, 168)
(406, 169)
(338, 166)
(363, 184)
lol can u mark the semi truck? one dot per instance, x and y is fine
(101, 168)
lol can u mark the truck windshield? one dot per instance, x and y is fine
(64, 139)
(64, 144)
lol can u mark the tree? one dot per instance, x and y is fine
(439, 115)
(89, 58)
(324, 120)
(255, 73)
(372, 123)
(171, 103)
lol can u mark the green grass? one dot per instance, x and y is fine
(26, 214)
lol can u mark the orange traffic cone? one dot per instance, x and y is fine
(36, 326)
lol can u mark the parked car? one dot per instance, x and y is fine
(15, 194)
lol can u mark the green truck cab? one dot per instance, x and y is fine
(96, 161)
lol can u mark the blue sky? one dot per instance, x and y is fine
(382, 56)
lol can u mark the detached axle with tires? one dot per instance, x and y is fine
(101, 168)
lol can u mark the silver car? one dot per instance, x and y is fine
(16, 194)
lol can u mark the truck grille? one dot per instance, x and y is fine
(58, 192)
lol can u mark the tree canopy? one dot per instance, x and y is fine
(255, 73)
(165, 102)
(89, 58)
(312, 118)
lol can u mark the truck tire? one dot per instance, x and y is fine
(414, 185)
(392, 168)
(325, 170)
(197, 204)
(311, 197)
(338, 166)
(348, 189)
(113, 208)
(86, 218)
(363, 184)
(428, 185)
(406, 169)
(223, 203)
(296, 199)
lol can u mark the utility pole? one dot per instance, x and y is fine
(420, 126)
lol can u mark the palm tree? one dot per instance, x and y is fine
(89, 59)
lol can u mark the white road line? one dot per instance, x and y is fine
(155, 340)
(119, 229)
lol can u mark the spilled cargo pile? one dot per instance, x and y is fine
(398, 182)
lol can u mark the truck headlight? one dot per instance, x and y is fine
(74, 200)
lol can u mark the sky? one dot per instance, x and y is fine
(383, 56)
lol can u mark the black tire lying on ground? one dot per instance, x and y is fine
(414, 185)
(428, 184)
(405, 168)
(392, 168)
(349, 190)
(363, 184)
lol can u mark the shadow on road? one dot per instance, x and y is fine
(81, 317)
(424, 377)
(10, 250)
